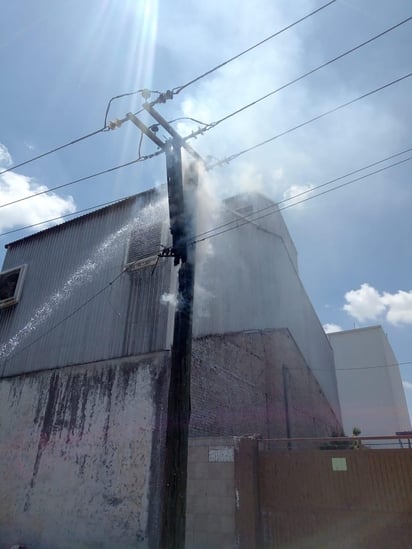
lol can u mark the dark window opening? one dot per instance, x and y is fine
(10, 286)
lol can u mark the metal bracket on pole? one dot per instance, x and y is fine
(172, 132)
(147, 131)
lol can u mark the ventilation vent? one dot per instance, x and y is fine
(11, 283)
(144, 243)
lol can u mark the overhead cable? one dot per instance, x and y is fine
(178, 89)
(252, 219)
(310, 190)
(85, 178)
(245, 220)
(318, 117)
(82, 138)
(144, 92)
(70, 315)
(46, 221)
(207, 127)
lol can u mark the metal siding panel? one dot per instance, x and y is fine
(304, 503)
(66, 267)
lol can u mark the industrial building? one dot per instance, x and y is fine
(369, 382)
(86, 323)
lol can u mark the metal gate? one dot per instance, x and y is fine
(354, 498)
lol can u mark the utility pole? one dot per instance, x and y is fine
(181, 208)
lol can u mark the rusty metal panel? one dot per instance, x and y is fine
(366, 502)
(69, 311)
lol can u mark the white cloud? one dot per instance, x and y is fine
(364, 304)
(407, 385)
(330, 328)
(399, 307)
(5, 158)
(367, 303)
(14, 186)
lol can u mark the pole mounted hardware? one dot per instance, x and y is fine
(182, 199)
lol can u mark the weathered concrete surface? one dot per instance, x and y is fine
(81, 447)
(239, 388)
(79, 454)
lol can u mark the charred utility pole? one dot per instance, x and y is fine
(181, 207)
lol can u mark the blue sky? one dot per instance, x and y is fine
(62, 61)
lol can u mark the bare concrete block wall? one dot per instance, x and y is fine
(80, 455)
(210, 518)
(256, 382)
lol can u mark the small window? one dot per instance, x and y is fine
(144, 243)
(11, 283)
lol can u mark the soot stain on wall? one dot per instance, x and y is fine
(46, 430)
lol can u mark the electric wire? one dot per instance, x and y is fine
(70, 315)
(95, 207)
(188, 118)
(248, 220)
(408, 362)
(302, 193)
(227, 159)
(351, 368)
(85, 178)
(237, 223)
(212, 125)
(145, 92)
(178, 89)
(232, 157)
(73, 142)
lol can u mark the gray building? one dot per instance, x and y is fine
(85, 332)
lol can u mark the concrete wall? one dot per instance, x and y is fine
(80, 455)
(369, 382)
(210, 517)
(256, 382)
(81, 447)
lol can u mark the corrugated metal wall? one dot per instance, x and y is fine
(305, 503)
(60, 320)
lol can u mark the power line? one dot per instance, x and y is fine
(82, 138)
(351, 368)
(178, 89)
(70, 315)
(318, 117)
(373, 367)
(163, 97)
(95, 207)
(78, 139)
(301, 77)
(144, 92)
(348, 174)
(212, 125)
(85, 178)
(248, 220)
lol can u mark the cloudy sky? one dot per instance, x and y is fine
(62, 61)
